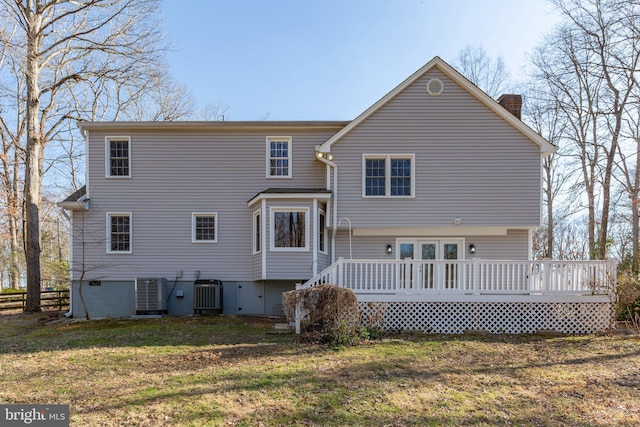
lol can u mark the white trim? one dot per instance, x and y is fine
(87, 160)
(193, 226)
(257, 213)
(275, 209)
(263, 236)
(387, 158)
(488, 298)
(545, 147)
(107, 156)
(454, 230)
(288, 196)
(108, 220)
(289, 141)
(316, 240)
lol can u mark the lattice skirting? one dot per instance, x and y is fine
(498, 317)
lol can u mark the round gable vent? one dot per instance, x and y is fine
(435, 87)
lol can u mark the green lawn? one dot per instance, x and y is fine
(221, 371)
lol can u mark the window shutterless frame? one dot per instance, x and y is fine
(204, 227)
(388, 176)
(117, 157)
(257, 231)
(322, 232)
(279, 157)
(119, 233)
(289, 229)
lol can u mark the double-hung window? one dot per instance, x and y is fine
(388, 175)
(119, 233)
(204, 227)
(289, 229)
(279, 157)
(118, 156)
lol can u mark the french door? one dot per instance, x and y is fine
(438, 275)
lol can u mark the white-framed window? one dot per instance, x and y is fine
(204, 227)
(257, 231)
(279, 157)
(388, 175)
(118, 157)
(289, 229)
(322, 231)
(119, 232)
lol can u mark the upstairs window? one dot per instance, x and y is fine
(388, 176)
(278, 157)
(204, 228)
(290, 229)
(118, 157)
(119, 233)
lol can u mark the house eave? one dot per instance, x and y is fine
(289, 195)
(448, 231)
(79, 205)
(213, 126)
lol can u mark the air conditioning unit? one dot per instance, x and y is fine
(151, 296)
(207, 297)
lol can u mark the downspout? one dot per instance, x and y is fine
(327, 158)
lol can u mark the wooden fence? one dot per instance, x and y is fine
(57, 300)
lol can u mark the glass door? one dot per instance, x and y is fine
(426, 275)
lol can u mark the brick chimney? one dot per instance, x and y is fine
(511, 103)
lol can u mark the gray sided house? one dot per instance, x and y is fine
(436, 171)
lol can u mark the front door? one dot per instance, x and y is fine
(427, 275)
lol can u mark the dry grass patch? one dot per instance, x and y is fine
(220, 371)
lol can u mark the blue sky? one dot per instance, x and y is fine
(331, 59)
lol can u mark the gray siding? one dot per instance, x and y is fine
(173, 175)
(469, 162)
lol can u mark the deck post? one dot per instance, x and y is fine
(546, 277)
(298, 313)
(476, 276)
(340, 272)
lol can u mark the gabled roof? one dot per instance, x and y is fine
(76, 201)
(291, 193)
(545, 147)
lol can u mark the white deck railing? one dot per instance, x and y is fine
(470, 277)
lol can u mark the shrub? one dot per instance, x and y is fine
(329, 313)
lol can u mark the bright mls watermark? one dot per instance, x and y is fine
(34, 415)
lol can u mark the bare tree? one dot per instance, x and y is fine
(587, 66)
(12, 131)
(490, 75)
(68, 47)
(543, 116)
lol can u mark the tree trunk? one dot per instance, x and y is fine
(14, 270)
(33, 163)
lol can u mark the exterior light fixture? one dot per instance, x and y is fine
(389, 249)
(472, 248)
(320, 155)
